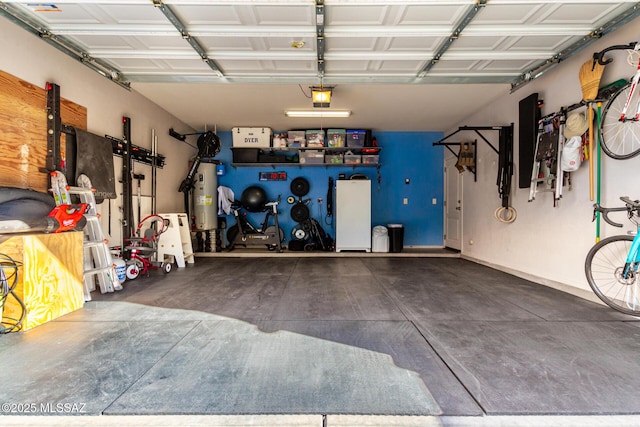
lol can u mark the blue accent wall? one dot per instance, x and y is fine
(403, 155)
(411, 155)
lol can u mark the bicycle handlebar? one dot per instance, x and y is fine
(630, 206)
(599, 56)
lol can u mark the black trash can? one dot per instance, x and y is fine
(396, 237)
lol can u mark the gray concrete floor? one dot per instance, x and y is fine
(348, 340)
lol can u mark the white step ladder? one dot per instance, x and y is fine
(176, 240)
(98, 263)
(547, 174)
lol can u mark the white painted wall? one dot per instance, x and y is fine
(28, 58)
(546, 244)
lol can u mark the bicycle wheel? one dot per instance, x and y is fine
(603, 267)
(620, 140)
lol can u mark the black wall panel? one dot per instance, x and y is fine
(529, 114)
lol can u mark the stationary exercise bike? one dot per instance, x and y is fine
(244, 233)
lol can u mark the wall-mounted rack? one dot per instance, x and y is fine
(504, 151)
(138, 154)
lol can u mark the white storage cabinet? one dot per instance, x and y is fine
(353, 215)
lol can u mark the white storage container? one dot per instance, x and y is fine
(380, 239)
(251, 137)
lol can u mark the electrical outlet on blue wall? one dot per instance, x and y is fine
(403, 155)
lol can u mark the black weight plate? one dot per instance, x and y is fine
(297, 233)
(299, 212)
(232, 232)
(297, 245)
(300, 186)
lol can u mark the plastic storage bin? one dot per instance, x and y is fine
(380, 239)
(356, 138)
(334, 158)
(311, 157)
(370, 159)
(396, 237)
(280, 139)
(352, 159)
(296, 138)
(315, 138)
(336, 137)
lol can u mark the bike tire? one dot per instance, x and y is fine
(132, 271)
(620, 140)
(602, 267)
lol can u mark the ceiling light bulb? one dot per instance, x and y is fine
(322, 97)
(297, 44)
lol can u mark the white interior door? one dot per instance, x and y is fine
(453, 205)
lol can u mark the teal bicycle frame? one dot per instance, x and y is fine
(612, 264)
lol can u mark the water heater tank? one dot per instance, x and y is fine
(205, 197)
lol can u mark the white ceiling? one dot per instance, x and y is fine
(398, 65)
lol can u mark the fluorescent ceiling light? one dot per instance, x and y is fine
(317, 113)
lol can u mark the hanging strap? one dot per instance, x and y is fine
(505, 166)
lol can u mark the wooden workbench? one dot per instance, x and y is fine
(49, 278)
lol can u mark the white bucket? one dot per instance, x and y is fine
(380, 239)
(121, 269)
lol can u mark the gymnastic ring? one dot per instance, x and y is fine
(499, 214)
